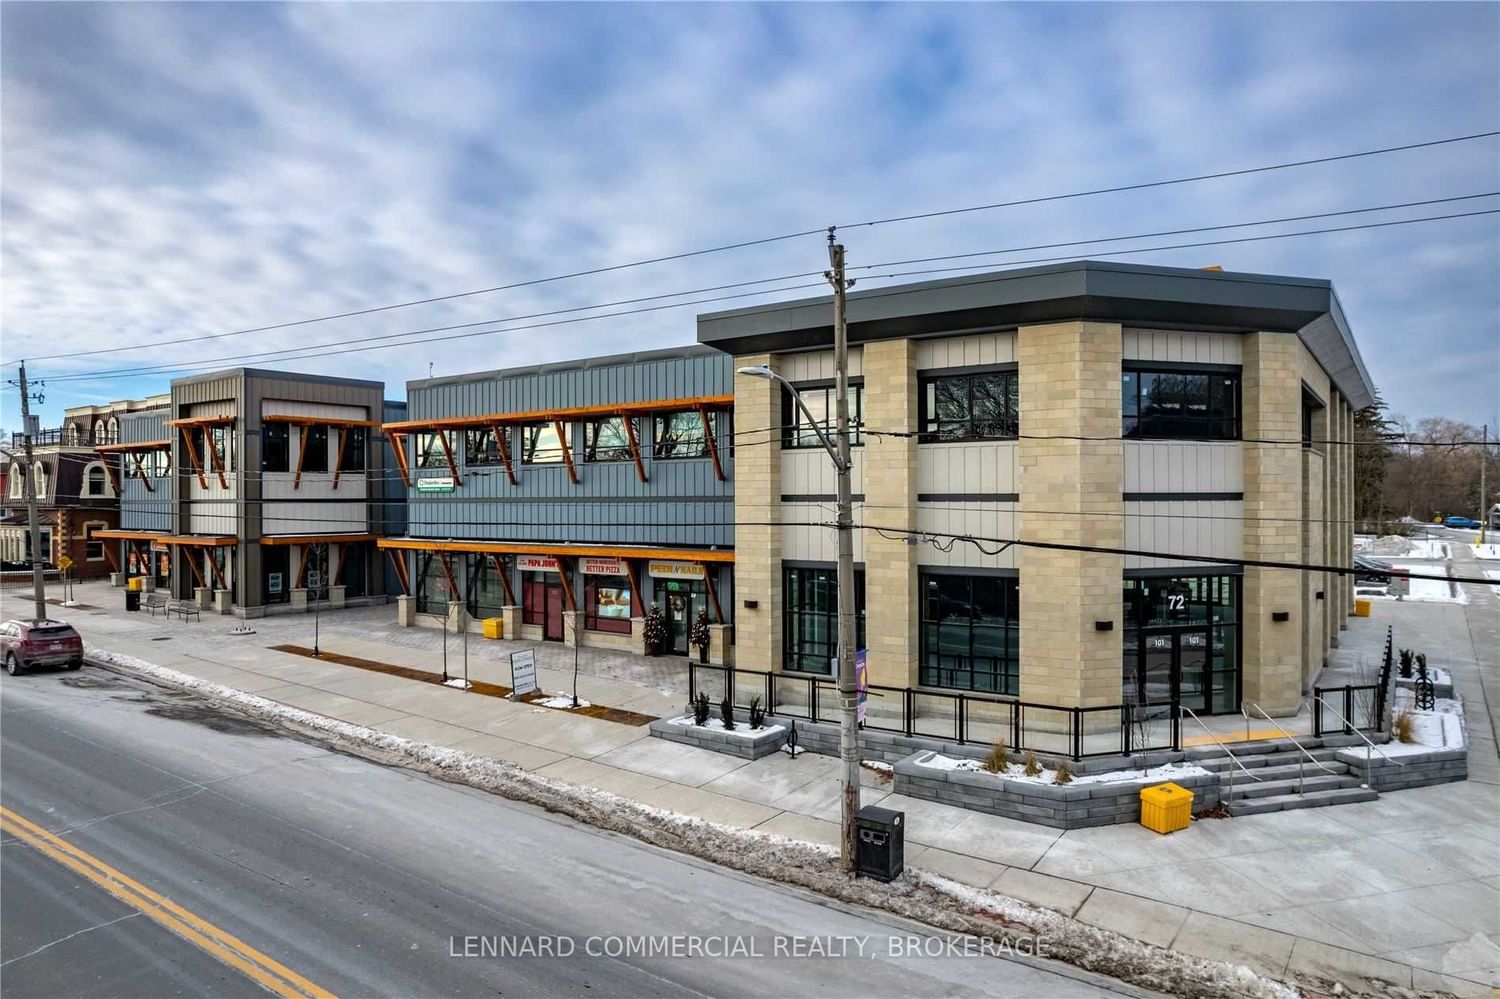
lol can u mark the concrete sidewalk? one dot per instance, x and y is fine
(1406, 888)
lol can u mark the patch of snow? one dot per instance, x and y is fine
(1435, 588)
(916, 895)
(458, 682)
(1495, 575)
(1017, 772)
(1440, 728)
(884, 768)
(1486, 551)
(741, 729)
(562, 701)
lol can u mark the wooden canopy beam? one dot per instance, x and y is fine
(109, 554)
(302, 567)
(301, 456)
(502, 444)
(569, 600)
(570, 413)
(136, 446)
(510, 594)
(713, 594)
(562, 439)
(635, 447)
(702, 556)
(203, 421)
(398, 563)
(318, 421)
(213, 564)
(448, 574)
(442, 436)
(637, 606)
(197, 571)
(218, 463)
(399, 450)
(192, 450)
(338, 464)
(314, 539)
(338, 572)
(140, 469)
(713, 448)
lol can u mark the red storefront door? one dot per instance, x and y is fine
(552, 630)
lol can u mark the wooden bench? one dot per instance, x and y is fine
(187, 608)
(157, 602)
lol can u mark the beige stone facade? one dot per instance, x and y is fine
(757, 514)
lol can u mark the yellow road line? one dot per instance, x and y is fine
(229, 949)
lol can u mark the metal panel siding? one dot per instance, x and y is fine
(816, 543)
(150, 425)
(1186, 527)
(971, 467)
(1184, 467)
(966, 351)
(817, 365)
(1181, 347)
(983, 520)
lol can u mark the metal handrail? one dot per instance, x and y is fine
(1300, 775)
(1368, 744)
(1232, 758)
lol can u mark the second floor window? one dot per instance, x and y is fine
(540, 444)
(822, 403)
(1183, 405)
(354, 449)
(428, 450)
(970, 407)
(275, 449)
(679, 435)
(481, 447)
(221, 440)
(315, 449)
(606, 440)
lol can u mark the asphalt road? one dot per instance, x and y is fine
(366, 880)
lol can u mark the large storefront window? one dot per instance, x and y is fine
(276, 564)
(810, 599)
(1182, 640)
(433, 592)
(1183, 405)
(971, 633)
(606, 604)
(485, 594)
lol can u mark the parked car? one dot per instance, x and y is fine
(1467, 523)
(28, 644)
(1373, 570)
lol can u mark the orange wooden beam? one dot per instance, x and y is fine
(136, 446)
(398, 562)
(202, 421)
(637, 606)
(213, 564)
(569, 413)
(448, 573)
(338, 465)
(562, 439)
(510, 594)
(338, 573)
(218, 463)
(192, 450)
(318, 421)
(314, 539)
(569, 600)
(698, 555)
(109, 553)
(635, 447)
(713, 448)
(141, 470)
(399, 450)
(442, 436)
(197, 571)
(302, 567)
(301, 456)
(502, 444)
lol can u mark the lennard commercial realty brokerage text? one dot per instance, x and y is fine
(778, 946)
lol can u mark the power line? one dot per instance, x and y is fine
(744, 244)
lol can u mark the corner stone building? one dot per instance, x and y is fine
(1123, 413)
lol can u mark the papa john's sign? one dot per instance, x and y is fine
(536, 563)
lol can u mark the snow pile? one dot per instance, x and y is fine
(1486, 551)
(1390, 544)
(1440, 728)
(741, 729)
(916, 895)
(1432, 585)
(563, 701)
(1017, 772)
(458, 682)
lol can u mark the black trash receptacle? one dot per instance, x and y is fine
(132, 600)
(881, 836)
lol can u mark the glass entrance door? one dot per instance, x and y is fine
(1173, 663)
(684, 600)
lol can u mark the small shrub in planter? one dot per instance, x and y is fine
(1064, 774)
(1033, 767)
(998, 759)
(700, 710)
(726, 714)
(1421, 665)
(1401, 727)
(757, 714)
(698, 637)
(654, 631)
(1406, 660)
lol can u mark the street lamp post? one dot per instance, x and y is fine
(839, 454)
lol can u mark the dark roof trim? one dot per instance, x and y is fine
(1131, 294)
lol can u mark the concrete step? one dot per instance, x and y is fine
(1313, 799)
(1260, 747)
(1222, 762)
(1273, 788)
(1283, 771)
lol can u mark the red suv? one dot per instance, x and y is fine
(25, 644)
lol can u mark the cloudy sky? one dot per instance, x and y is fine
(174, 171)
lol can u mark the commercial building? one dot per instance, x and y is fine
(1031, 448)
(77, 490)
(257, 491)
(567, 499)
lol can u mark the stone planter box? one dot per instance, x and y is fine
(335, 597)
(1443, 690)
(204, 595)
(1438, 766)
(1060, 806)
(221, 601)
(749, 746)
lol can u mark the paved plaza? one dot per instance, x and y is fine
(1406, 887)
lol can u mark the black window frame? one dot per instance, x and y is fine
(531, 437)
(591, 615)
(936, 429)
(354, 445)
(1003, 675)
(820, 397)
(313, 442)
(1216, 423)
(613, 452)
(666, 450)
(275, 443)
(482, 446)
(798, 656)
(427, 449)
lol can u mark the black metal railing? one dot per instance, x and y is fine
(954, 716)
(1358, 706)
(62, 437)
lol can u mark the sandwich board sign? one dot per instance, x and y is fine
(522, 672)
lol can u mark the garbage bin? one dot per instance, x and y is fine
(881, 846)
(1166, 807)
(1361, 608)
(494, 627)
(132, 600)
(136, 583)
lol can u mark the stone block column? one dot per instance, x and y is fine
(1070, 389)
(1271, 409)
(892, 609)
(757, 514)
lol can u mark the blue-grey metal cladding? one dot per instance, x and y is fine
(143, 509)
(683, 503)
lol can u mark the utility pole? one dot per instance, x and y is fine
(1484, 494)
(38, 558)
(848, 692)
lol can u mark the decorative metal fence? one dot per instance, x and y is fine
(1359, 706)
(1108, 730)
